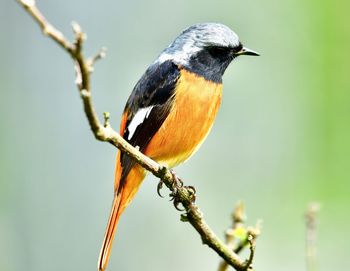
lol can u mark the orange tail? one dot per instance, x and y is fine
(120, 202)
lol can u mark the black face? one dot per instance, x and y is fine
(211, 62)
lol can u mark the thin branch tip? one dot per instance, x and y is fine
(238, 214)
(76, 28)
(27, 3)
(239, 237)
(80, 37)
(254, 231)
(106, 116)
(103, 52)
(92, 60)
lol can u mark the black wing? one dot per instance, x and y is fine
(155, 90)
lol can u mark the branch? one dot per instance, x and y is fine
(83, 68)
(238, 237)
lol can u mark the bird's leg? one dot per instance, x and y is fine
(177, 183)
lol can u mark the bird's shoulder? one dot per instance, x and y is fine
(155, 87)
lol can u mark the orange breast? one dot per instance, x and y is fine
(195, 106)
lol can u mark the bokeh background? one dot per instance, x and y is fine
(281, 139)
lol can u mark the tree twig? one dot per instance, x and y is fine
(104, 132)
(238, 237)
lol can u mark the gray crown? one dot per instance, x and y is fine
(197, 37)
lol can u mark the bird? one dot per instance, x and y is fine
(172, 109)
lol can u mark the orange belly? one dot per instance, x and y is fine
(195, 107)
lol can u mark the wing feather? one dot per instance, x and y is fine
(147, 107)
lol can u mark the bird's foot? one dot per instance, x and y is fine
(177, 200)
(161, 182)
(177, 184)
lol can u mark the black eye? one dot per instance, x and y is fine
(237, 48)
(217, 51)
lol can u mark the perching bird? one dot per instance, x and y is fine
(172, 109)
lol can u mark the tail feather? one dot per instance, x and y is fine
(109, 235)
(121, 200)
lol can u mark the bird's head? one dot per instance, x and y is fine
(205, 48)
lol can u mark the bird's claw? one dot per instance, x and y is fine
(176, 185)
(192, 191)
(159, 187)
(176, 202)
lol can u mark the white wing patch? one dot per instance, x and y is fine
(139, 117)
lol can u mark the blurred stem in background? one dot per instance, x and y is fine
(311, 236)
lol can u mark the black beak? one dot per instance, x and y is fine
(247, 52)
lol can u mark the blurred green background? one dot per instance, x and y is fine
(281, 139)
